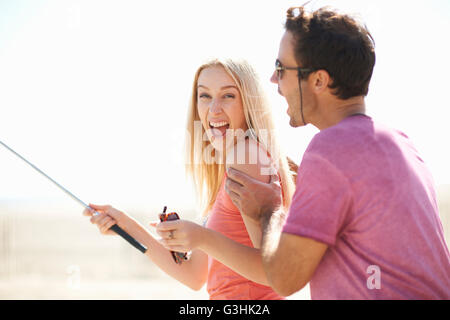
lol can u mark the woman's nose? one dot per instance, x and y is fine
(215, 107)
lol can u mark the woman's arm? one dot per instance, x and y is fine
(193, 273)
(249, 157)
(183, 235)
(242, 259)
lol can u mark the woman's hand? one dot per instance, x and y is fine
(107, 217)
(179, 235)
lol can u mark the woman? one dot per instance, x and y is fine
(229, 124)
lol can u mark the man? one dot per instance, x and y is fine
(364, 221)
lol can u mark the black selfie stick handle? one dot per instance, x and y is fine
(128, 238)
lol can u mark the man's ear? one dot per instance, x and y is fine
(321, 80)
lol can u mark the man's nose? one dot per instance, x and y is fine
(274, 77)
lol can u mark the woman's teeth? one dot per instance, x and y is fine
(218, 129)
(218, 124)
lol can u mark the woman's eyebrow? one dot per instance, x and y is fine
(230, 86)
(224, 87)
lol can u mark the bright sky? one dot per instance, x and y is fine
(95, 92)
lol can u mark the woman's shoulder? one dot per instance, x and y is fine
(250, 157)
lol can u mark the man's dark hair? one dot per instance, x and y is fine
(337, 43)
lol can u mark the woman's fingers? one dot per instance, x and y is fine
(88, 212)
(168, 228)
(177, 235)
(117, 215)
(107, 225)
(103, 222)
(104, 217)
(103, 208)
(166, 234)
(171, 232)
(169, 225)
(172, 242)
(96, 218)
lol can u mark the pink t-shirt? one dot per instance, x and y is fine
(223, 283)
(363, 189)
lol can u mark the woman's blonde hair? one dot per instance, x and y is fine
(206, 173)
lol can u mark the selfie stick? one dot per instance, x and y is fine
(115, 227)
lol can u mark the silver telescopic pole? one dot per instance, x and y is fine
(45, 175)
(115, 227)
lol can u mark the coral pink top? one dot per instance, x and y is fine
(224, 283)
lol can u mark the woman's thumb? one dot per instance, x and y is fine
(99, 207)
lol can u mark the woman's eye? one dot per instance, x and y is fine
(204, 95)
(229, 95)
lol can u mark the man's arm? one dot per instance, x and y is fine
(289, 260)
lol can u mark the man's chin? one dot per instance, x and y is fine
(294, 123)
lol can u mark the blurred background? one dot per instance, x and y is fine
(95, 94)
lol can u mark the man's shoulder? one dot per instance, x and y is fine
(333, 138)
(359, 141)
(353, 134)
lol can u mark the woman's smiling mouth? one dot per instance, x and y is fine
(219, 128)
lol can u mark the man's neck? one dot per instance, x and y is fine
(337, 110)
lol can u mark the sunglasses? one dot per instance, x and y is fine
(178, 257)
(279, 68)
